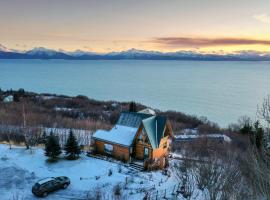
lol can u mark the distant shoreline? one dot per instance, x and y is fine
(82, 112)
(135, 59)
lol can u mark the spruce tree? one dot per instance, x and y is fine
(132, 107)
(52, 148)
(259, 136)
(71, 147)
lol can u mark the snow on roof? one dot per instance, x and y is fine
(190, 137)
(122, 135)
(45, 180)
(8, 98)
(189, 131)
(148, 111)
(65, 109)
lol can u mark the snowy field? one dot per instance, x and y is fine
(21, 168)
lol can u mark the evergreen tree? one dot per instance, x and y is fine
(259, 139)
(52, 148)
(71, 147)
(16, 97)
(246, 129)
(132, 107)
(255, 133)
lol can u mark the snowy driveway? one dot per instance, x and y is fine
(20, 169)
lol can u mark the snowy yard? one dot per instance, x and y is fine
(20, 168)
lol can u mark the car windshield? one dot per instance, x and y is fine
(36, 186)
(61, 178)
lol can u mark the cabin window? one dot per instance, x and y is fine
(146, 140)
(140, 138)
(108, 148)
(165, 145)
(146, 152)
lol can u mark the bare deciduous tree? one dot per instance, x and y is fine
(24, 128)
(256, 166)
(218, 178)
(263, 111)
(186, 179)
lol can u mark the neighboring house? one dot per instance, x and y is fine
(140, 136)
(212, 137)
(8, 99)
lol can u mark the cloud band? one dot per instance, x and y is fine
(206, 42)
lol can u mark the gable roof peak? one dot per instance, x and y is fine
(154, 127)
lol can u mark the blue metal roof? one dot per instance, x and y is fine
(154, 127)
(132, 119)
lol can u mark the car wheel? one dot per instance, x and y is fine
(65, 186)
(45, 194)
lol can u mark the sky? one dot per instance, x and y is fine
(117, 25)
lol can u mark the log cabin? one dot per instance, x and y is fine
(140, 137)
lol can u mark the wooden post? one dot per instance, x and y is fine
(178, 189)
(164, 194)
(157, 195)
(173, 189)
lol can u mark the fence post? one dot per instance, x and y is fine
(173, 190)
(164, 194)
(157, 195)
(178, 188)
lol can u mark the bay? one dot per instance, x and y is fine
(221, 91)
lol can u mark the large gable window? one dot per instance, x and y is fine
(140, 138)
(146, 140)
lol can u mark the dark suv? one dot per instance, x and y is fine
(43, 187)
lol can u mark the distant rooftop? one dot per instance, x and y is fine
(148, 111)
(191, 137)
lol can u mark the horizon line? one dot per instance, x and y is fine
(60, 50)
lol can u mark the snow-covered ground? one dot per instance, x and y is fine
(21, 168)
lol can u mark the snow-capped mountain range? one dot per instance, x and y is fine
(44, 53)
(3, 48)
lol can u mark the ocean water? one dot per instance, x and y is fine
(221, 91)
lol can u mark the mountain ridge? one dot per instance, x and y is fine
(132, 54)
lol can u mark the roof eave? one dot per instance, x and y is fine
(113, 142)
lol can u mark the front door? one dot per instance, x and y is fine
(146, 152)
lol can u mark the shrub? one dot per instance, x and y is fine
(119, 169)
(117, 190)
(110, 172)
(95, 194)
